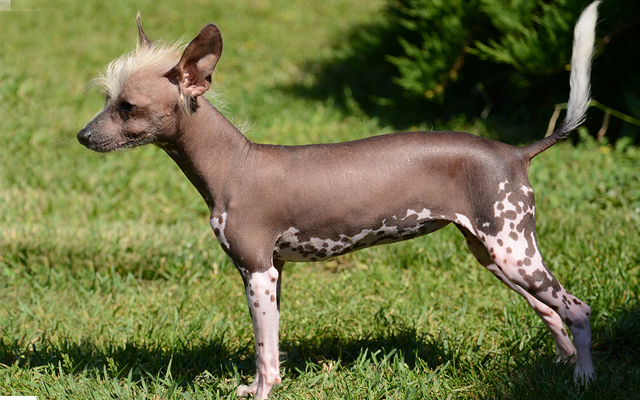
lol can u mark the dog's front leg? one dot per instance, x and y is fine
(263, 297)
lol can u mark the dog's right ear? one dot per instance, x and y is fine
(193, 72)
(144, 40)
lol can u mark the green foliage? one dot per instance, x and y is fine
(533, 36)
(445, 29)
(504, 47)
(503, 63)
(529, 36)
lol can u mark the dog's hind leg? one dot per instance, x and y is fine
(521, 268)
(551, 319)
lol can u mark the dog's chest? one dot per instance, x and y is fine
(299, 245)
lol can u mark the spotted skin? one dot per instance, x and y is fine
(512, 255)
(218, 224)
(263, 297)
(291, 246)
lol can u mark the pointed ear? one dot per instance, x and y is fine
(144, 40)
(193, 72)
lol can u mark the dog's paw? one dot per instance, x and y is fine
(584, 374)
(246, 391)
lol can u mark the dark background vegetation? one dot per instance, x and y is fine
(426, 62)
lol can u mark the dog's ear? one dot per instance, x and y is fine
(144, 40)
(193, 71)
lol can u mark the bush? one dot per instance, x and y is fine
(436, 64)
(513, 44)
(531, 37)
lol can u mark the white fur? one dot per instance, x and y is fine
(157, 58)
(580, 95)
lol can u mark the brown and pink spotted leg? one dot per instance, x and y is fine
(551, 319)
(263, 298)
(518, 264)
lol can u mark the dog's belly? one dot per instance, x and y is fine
(294, 245)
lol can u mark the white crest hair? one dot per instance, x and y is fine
(158, 58)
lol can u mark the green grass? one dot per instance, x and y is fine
(113, 286)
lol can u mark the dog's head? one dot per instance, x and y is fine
(149, 90)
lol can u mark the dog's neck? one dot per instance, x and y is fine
(210, 151)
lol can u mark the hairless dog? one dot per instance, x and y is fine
(271, 204)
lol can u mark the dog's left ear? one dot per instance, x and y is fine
(193, 72)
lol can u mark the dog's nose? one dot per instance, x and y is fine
(84, 136)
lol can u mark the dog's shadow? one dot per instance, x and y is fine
(216, 357)
(214, 360)
(403, 341)
(184, 362)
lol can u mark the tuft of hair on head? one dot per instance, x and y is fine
(157, 58)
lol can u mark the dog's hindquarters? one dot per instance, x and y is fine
(512, 255)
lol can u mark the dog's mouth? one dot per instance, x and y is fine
(100, 144)
(87, 138)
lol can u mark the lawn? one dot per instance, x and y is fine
(112, 284)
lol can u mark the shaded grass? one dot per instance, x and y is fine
(112, 285)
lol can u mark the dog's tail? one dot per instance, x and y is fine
(579, 95)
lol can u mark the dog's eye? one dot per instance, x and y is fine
(125, 106)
